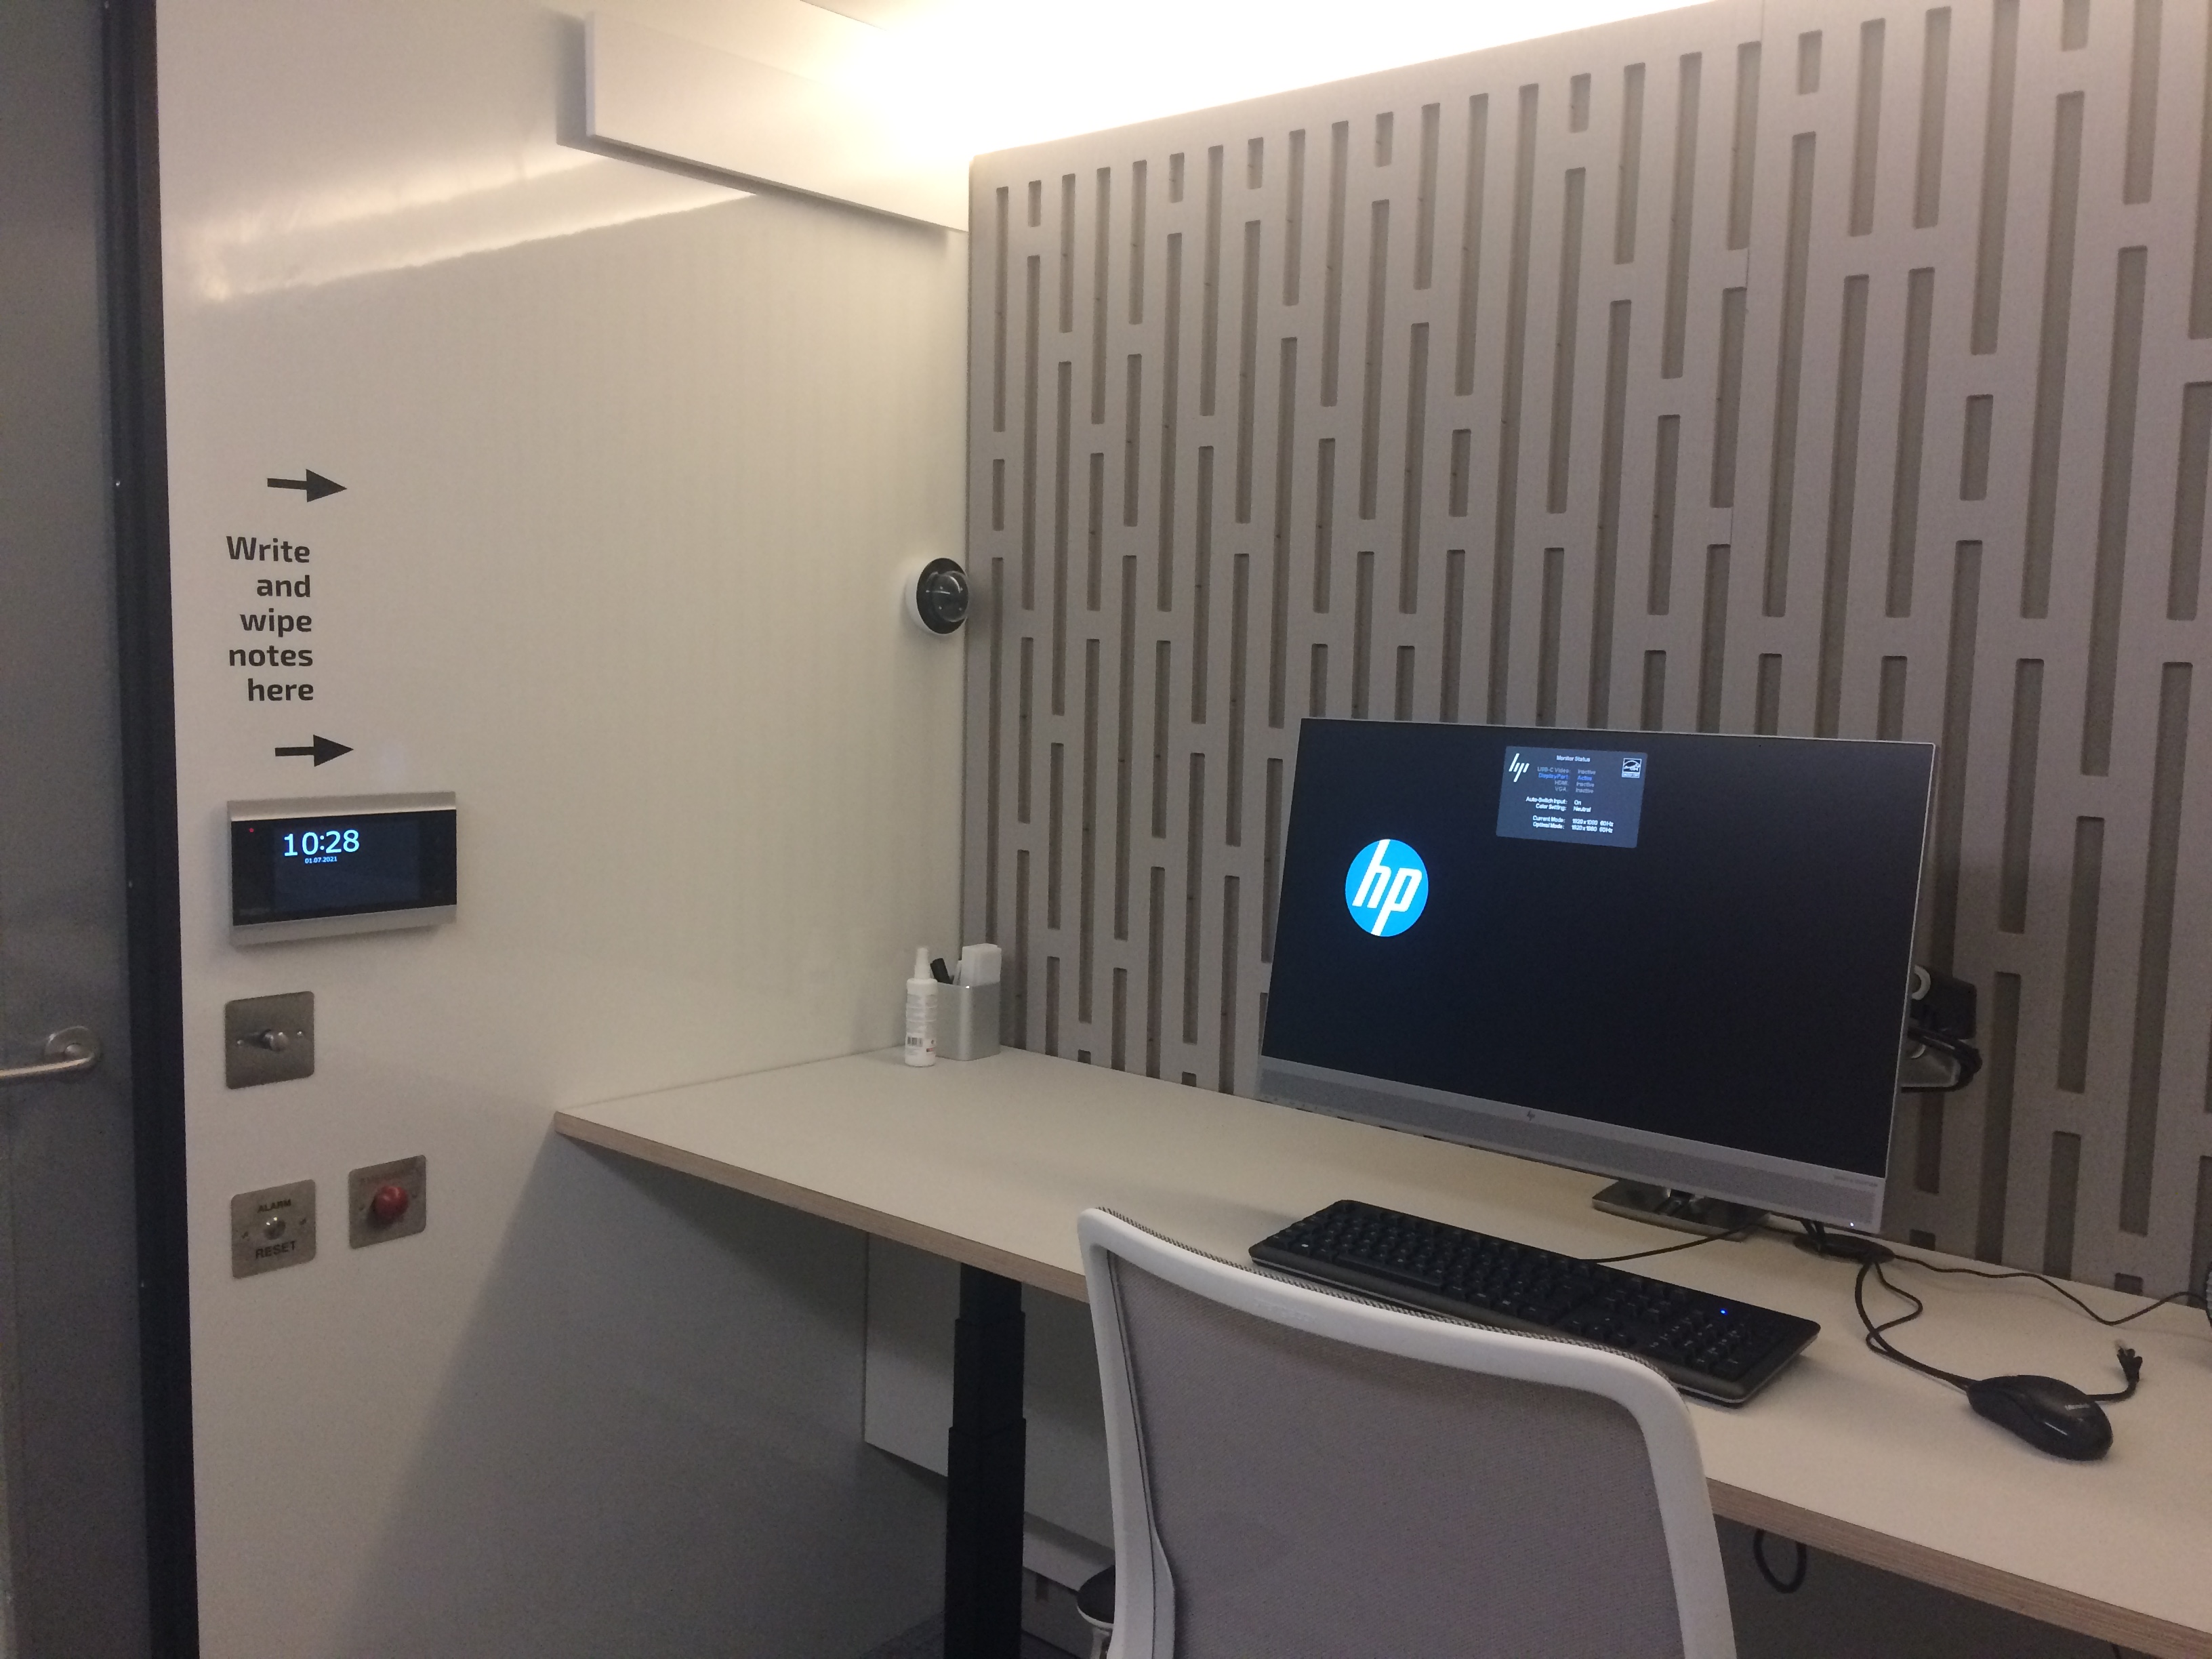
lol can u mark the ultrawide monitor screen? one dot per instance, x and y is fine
(1678, 958)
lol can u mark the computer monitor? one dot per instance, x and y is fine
(1680, 959)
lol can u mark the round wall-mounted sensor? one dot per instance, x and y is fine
(937, 597)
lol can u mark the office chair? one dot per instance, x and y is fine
(1298, 1472)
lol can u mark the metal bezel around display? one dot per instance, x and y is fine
(284, 808)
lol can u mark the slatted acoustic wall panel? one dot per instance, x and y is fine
(1804, 367)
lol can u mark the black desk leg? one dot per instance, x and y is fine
(983, 1501)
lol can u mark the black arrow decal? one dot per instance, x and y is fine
(316, 485)
(322, 748)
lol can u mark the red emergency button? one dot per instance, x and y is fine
(387, 1203)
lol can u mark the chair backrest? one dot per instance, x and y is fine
(1298, 1472)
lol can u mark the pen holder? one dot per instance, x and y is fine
(967, 1021)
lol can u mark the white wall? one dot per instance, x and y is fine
(630, 463)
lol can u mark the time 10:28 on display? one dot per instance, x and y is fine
(320, 846)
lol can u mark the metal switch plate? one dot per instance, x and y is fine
(364, 1226)
(268, 1039)
(273, 1228)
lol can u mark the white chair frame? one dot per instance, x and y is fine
(1144, 1610)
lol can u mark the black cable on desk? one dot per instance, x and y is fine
(1878, 1339)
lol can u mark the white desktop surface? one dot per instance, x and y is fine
(989, 1162)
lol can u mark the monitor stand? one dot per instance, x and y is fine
(1662, 1207)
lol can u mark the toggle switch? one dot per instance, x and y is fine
(268, 1039)
(385, 1201)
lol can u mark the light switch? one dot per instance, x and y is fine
(273, 1228)
(268, 1039)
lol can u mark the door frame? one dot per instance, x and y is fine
(138, 454)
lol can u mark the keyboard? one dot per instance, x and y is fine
(1710, 1347)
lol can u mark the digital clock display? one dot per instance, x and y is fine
(374, 863)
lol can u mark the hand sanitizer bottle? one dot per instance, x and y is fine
(922, 1012)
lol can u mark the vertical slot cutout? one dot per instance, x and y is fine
(1409, 510)
(1997, 1093)
(2154, 958)
(1332, 313)
(2022, 755)
(1516, 323)
(1866, 133)
(1743, 148)
(1681, 213)
(1652, 713)
(1996, 177)
(1843, 494)
(1611, 439)
(1171, 396)
(1553, 600)
(1974, 453)
(2114, 505)
(1209, 325)
(1363, 629)
(1712, 638)
(1912, 437)
(2051, 362)
(1247, 369)
(1631, 165)
(1935, 96)
(1455, 633)
(1789, 377)
(1287, 424)
(1766, 705)
(2185, 574)
(1728, 395)
(1424, 200)
(1202, 586)
(2142, 103)
(1563, 344)
(1501, 634)
(1659, 585)
(1952, 752)
(1240, 616)
(1470, 240)
(1371, 402)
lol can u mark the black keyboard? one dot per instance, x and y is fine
(1707, 1346)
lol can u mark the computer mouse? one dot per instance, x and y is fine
(2049, 1415)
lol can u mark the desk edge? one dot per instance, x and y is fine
(2067, 1609)
(877, 1223)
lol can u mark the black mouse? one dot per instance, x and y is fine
(2049, 1415)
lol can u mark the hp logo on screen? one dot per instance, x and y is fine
(1387, 888)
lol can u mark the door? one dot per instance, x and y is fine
(73, 1571)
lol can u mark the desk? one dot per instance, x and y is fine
(989, 1164)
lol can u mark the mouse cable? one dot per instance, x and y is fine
(1780, 1585)
(1877, 1336)
(2191, 1297)
(1857, 1248)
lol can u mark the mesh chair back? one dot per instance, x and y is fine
(1304, 1494)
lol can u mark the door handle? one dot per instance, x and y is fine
(72, 1049)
